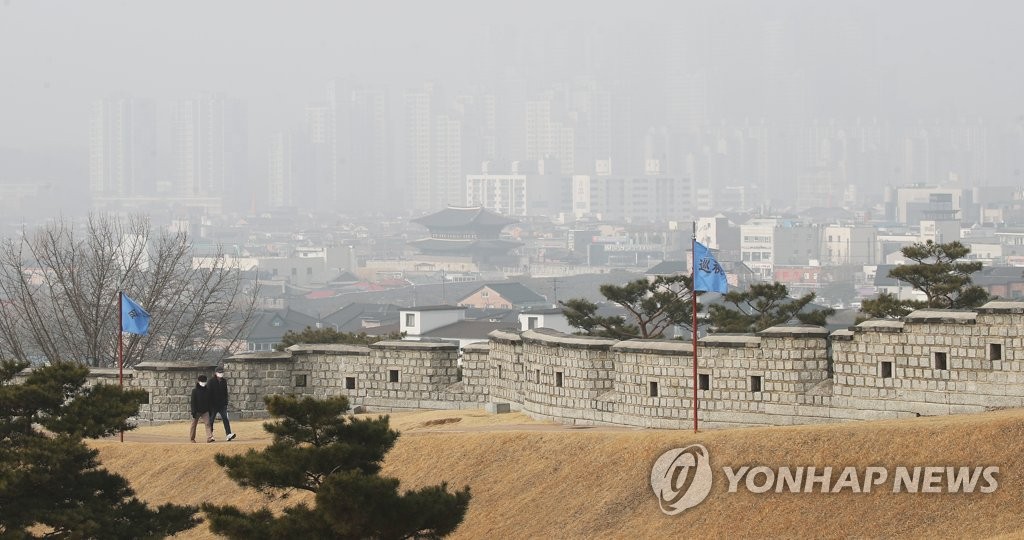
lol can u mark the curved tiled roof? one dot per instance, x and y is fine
(459, 216)
(446, 244)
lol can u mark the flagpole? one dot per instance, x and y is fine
(693, 294)
(120, 343)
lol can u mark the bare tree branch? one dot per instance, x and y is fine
(59, 285)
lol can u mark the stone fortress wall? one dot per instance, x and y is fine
(932, 362)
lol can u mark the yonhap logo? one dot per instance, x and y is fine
(681, 478)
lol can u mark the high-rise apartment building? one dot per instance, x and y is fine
(447, 180)
(434, 167)
(358, 137)
(632, 199)
(548, 139)
(418, 157)
(314, 161)
(210, 150)
(522, 188)
(122, 147)
(280, 171)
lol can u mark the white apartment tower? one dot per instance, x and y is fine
(209, 147)
(433, 153)
(280, 171)
(358, 136)
(419, 134)
(548, 139)
(448, 185)
(122, 147)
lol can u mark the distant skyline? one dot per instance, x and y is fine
(583, 81)
(937, 58)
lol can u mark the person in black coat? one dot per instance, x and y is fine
(219, 398)
(201, 405)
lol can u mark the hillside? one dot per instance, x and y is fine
(538, 480)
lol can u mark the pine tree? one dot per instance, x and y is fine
(939, 273)
(653, 307)
(762, 306)
(51, 483)
(330, 335)
(317, 448)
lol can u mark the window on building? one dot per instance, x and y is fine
(885, 370)
(531, 323)
(350, 383)
(536, 376)
(652, 389)
(755, 383)
(939, 360)
(704, 381)
(392, 375)
(300, 381)
(309, 270)
(558, 379)
(485, 293)
(995, 351)
(499, 371)
(295, 271)
(410, 319)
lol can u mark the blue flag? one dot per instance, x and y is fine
(134, 319)
(707, 273)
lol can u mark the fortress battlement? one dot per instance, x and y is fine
(932, 362)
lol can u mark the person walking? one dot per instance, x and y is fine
(201, 406)
(219, 398)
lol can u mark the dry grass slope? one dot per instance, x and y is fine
(533, 480)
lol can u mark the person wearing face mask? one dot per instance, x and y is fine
(219, 401)
(201, 406)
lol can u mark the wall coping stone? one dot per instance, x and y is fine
(108, 373)
(549, 336)
(731, 340)
(794, 331)
(417, 345)
(505, 336)
(265, 356)
(953, 316)
(879, 325)
(1002, 306)
(842, 335)
(174, 366)
(310, 348)
(480, 346)
(95, 372)
(654, 346)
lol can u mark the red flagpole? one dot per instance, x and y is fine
(693, 302)
(120, 343)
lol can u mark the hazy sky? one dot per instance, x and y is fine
(57, 56)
